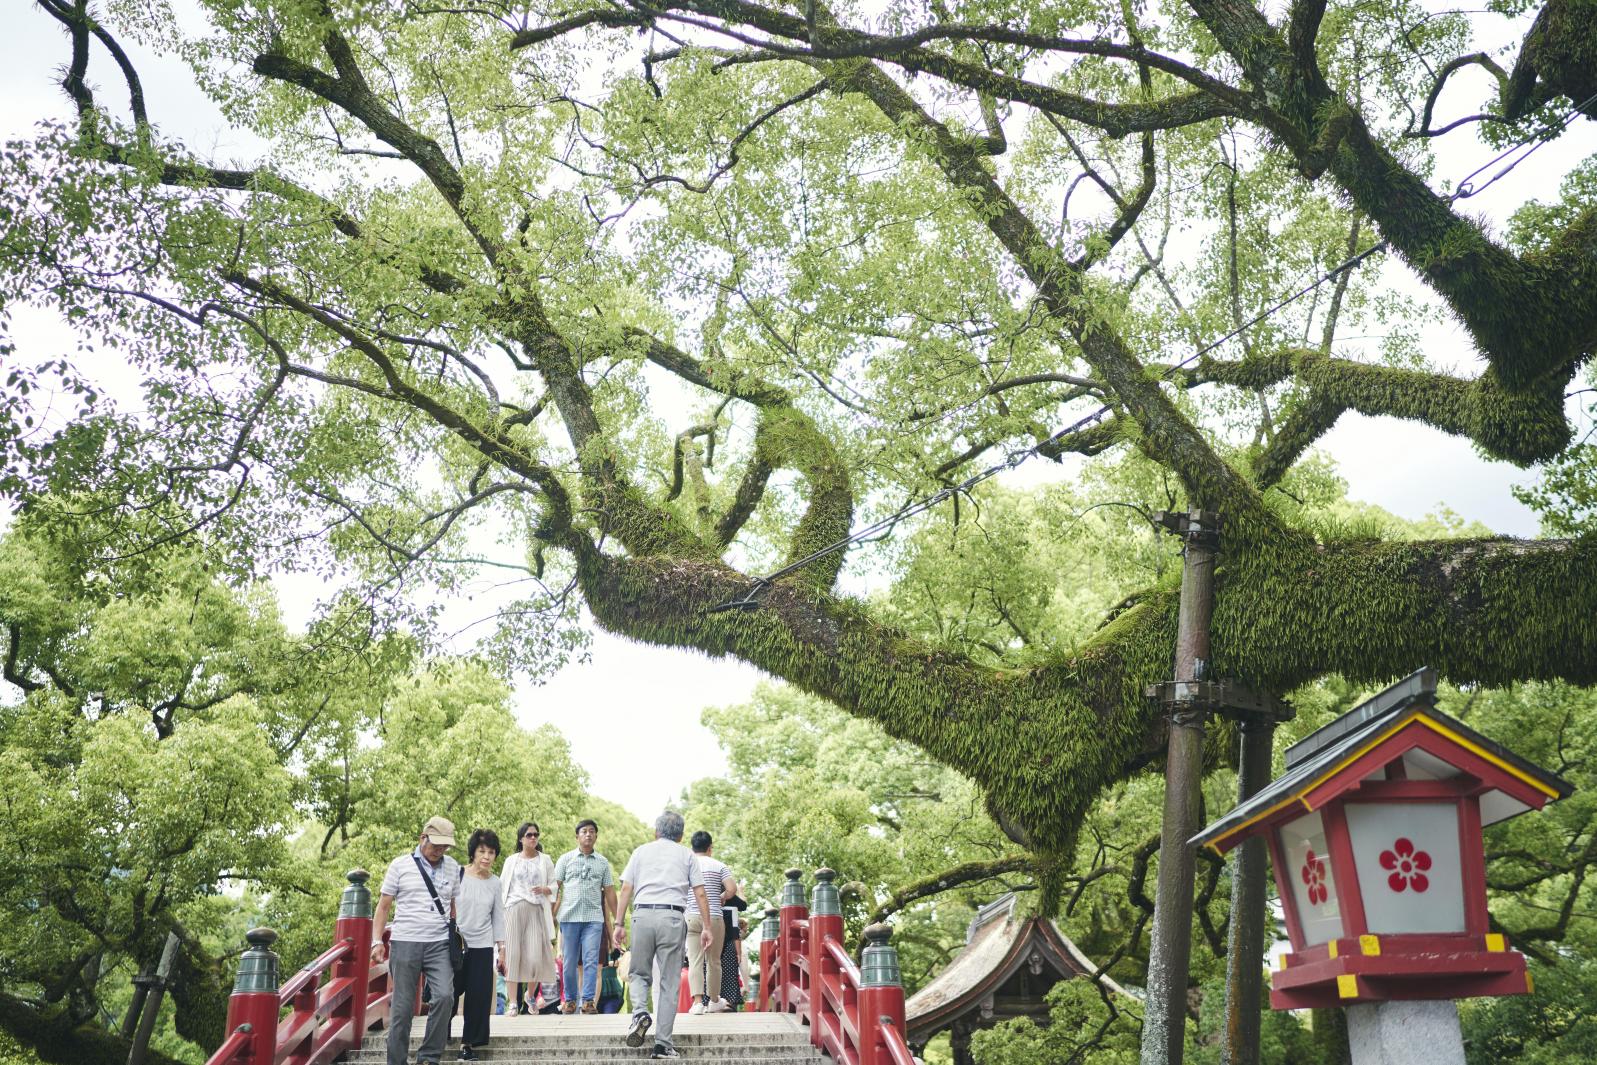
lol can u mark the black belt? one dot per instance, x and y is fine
(658, 906)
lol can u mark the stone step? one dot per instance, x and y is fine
(759, 1039)
(616, 1051)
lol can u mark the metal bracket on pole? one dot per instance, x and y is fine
(1224, 698)
(1201, 527)
(1198, 529)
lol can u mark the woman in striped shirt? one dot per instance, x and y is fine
(704, 964)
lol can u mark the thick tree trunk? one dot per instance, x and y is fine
(1042, 742)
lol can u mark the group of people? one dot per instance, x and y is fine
(679, 898)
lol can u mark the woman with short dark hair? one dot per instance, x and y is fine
(480, 918)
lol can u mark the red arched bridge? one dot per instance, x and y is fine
(854, 1013)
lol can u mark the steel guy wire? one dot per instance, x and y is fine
(1465, 190)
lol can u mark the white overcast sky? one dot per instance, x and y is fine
(632, 712)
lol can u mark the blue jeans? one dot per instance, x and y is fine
(579, 945)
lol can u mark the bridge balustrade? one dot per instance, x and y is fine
(855, 1013)
(309, 1020)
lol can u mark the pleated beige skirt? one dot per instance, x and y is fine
(529, 956)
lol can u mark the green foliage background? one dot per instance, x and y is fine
(185, 763)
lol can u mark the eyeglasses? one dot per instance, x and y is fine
(530, 835)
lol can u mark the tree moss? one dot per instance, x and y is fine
(788, 439)
(1521, 426)
(1042, 742)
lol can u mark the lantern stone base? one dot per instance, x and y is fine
(1345, 972)
(1405, 1033)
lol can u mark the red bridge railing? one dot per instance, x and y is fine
(309, 1020)
(855, 1013)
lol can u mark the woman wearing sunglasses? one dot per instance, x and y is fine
(528, 879)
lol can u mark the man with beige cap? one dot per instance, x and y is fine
(419, 889)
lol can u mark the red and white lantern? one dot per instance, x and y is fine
(1375, 835)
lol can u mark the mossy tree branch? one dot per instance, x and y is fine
(1042, 742)
(1039, 742)
(734, 384)
(1535, 316)
(687, 465)
(785, 438)
(750, 490)
(1520, 427)
(1166, 434)
(1311, 419)
(626, 513)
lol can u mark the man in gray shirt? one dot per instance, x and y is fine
(661, 880)
(419, 938)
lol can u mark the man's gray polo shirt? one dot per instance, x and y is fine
(663, 873)
(585, 877)
(416, 919)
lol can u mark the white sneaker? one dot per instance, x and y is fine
(697, 1009)
(719, 1006)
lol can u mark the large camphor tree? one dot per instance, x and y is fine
(664, 296)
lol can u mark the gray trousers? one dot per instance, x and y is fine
(656, 941)
(407, 963)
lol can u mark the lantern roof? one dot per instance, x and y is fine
(1400, 724)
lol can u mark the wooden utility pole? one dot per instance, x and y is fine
(152, 1005)
(141, 990)
(1244, 964)
(1165, 1011)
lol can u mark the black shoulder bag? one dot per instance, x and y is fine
(457, 946)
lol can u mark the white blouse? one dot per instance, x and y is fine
(521, 874)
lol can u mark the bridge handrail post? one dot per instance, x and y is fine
(881, 996)
(354, 926)
(826, 922)
(794, 914)
(770, 934)
(252, 1007)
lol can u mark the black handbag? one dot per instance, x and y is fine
(457, 945)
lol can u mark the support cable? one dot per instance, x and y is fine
(1465, 190)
